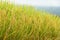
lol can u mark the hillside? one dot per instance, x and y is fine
(26, 23)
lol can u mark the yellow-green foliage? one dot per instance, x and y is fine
(26, 23)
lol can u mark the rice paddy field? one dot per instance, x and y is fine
(26, 23)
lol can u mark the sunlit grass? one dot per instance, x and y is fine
(26, 23)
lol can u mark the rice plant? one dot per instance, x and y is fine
(26, 23)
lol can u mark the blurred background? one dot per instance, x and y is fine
(52, 6)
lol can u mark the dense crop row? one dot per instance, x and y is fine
(26, 23)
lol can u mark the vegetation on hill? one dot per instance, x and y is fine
(26, 23)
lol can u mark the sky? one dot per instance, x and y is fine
(36, 2)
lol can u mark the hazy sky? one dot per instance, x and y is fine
(37, 2)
